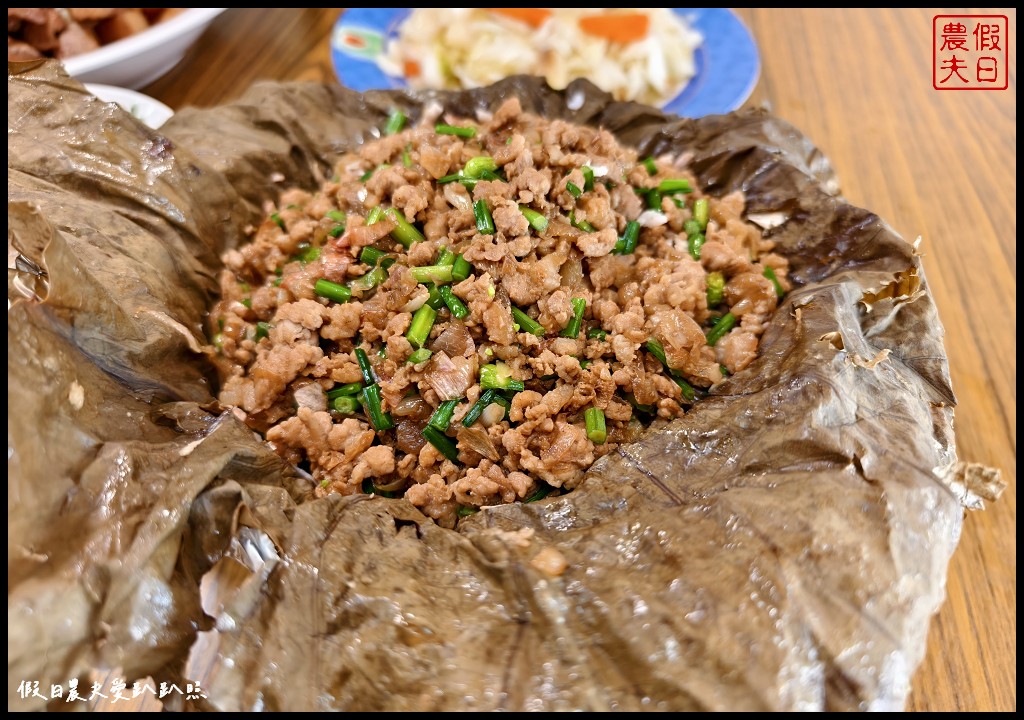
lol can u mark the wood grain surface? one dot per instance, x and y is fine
(940, 165)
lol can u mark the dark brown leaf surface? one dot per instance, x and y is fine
(783, 546)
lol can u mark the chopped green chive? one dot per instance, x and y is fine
(723, 325)
(406, 157)
(445, 257)
(770, 274)
(572, 329)
(434, 299)
(370, 255)
(346, 389)
(395, 123)
(442, 417)
(437, 274)
(581, 225)
(499, 377)
(375, 215)
(597, 334)
(364, 366)
(691, 227)
(277, 220)
(656, 349)
(597, 432)
(422, 322)
(527, 323)
(367, 175)
(345, 405)
(477, 166)
(537, 221)
(404, 232)
(584, 364)
(458, 308)
(336, 231)
(573, 189)
(307, 254)
(626, 244)
(463, 132)
(419, 356)
(262, 329)
(466, 510)
(332, 291)
(484, 221)
(493, 176)
(588, 178)
(247, 302)
(486, 398)
(695, 242)
(675, 185)
(336, 215)
(370, 280)
(379, 419)
(700, 213)
(716, 289)
(654, 200)
(461, 269)
(542, 492)
(454, 177)
(444, 444)
(648, 162)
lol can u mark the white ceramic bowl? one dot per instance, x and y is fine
(140, 59)
(150, 111)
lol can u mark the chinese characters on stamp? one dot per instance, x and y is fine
(970, 52)
(118, 691)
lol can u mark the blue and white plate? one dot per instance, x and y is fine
(727, 62)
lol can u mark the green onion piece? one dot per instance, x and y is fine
(486, 398)
(463, 132)
(647, 409)
(493, 176)
(573, 189)
(336, 215)
(370, 489)
(689, 394)
(434, 300)
(395, 123)
(345, 405)
(437, 274)
(499, 377)
(370, 255)
(383, 352)
(537, 221)
(370, 280)
(277, 220)
(695, 243)
(419, 356)
(247, 302)
(346, 389)
(626, 244)
(336, 231)
(365, 367)
(716, 289)
(367, 175)
(406, 157)
(542, 492)
(466, 511)
(648, 162)
(477, 166)
(597, 432)
(277, 283)
(458, 308)
(770, 274)
(375, 215)
(527, 323)
(461, 269)
(588, 178)
(387, 262)
(725, 370)
(597, 334)
(484, 221)
(584, 364)
(422, 321)
(700, 213)
(404, 232)
(442, 417)
(572, 329)
(504, 402)
(656, 349)
(332, 291)
(676, 185)
(581, 225)
(379, 419)
(444, 180)
(262, 329)
(308, 254)
(444, 444)
(724, 325)
(654, 200)
(445, 257)
(692, 227)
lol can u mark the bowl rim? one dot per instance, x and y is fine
(155, 36)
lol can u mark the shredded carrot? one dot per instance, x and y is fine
(411, 68)
(624, 28)
(534, 17)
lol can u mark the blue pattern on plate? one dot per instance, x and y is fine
(727, 62)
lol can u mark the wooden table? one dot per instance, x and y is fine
(941, 165)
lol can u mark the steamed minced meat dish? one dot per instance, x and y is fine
(471, 313)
